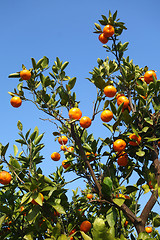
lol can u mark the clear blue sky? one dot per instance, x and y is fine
(35, 28)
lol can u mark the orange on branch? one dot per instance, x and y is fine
(85, 226)
(137, 141)
(123, 99)
(119, 145)
(85, 122)
(65, 164)
(110, 91)
(148, 229)
(108, 31)
(102, 38)
(64, 148)
(106, 116)
(16, 102)
(75, 113)
(55, 156)
(89, 196)
(90, 154)
(62, 140)
(148, 76)
(122, 159)
(5, 177)
(25, 74)
(70, 149)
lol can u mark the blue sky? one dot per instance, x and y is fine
(52, 28)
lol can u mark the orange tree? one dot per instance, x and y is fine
(35, 206)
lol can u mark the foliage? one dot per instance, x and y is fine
(115, 199)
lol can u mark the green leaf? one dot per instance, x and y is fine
(25, 197)
(87, 147)
(100, 231)
(119, 201)
(32, 136)
(29, 236)
(13, 162)
(14, 75)
(113, 108)
(98, 26)
(19, 125)
(63, 237)
(140, 153)
(38, 139)
(130, 189)
(58, 208)
(45, 62)
(4, 149)
(107, 186)
(111, 217)
(34, 63)
(2, 220)
(71, 83)
(110, 127)
(146, 188)
(85, 236)
(144, 236)
(64, 65)
(99, 82)
(15, 149)
(156, 221)
(32, 214)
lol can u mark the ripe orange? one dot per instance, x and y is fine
(106, 115)
(148, 76)
(62, 140)
(102, 38)
(85, 122)
(108, 31)
(123, 99)
(85, 226)
(64, 148)
(70, 149)
(134, 137)
(110, 91)
(5, 177)
(55, 156)
(75, 113)
(16, 102)
(65, 164)
(119, 95)
(25, 74)
(22, 209)
(122, 159)
(34, 202)
(148, 229)
(159, 144)
(119, 145)
(89, 196)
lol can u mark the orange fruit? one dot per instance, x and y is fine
(159, 144)
(5, 177)
(134, 137)
(65, 164)
(119, 145)
(108, 31)
(85, 122)
(110, 91)
(55, 156)
(123, 99)
(85, 226)
(16, 102)
(64, 148)
(25, 74)
(106, 115)
(73, 231)
(122, 159)
(70, 149)
(119, 95)
(126, 223)
(22, 209)
(89, 196)
(148, 229)
(102, 38)
(34, 202)
(148, 76)
(62, 140)
(75, 113)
